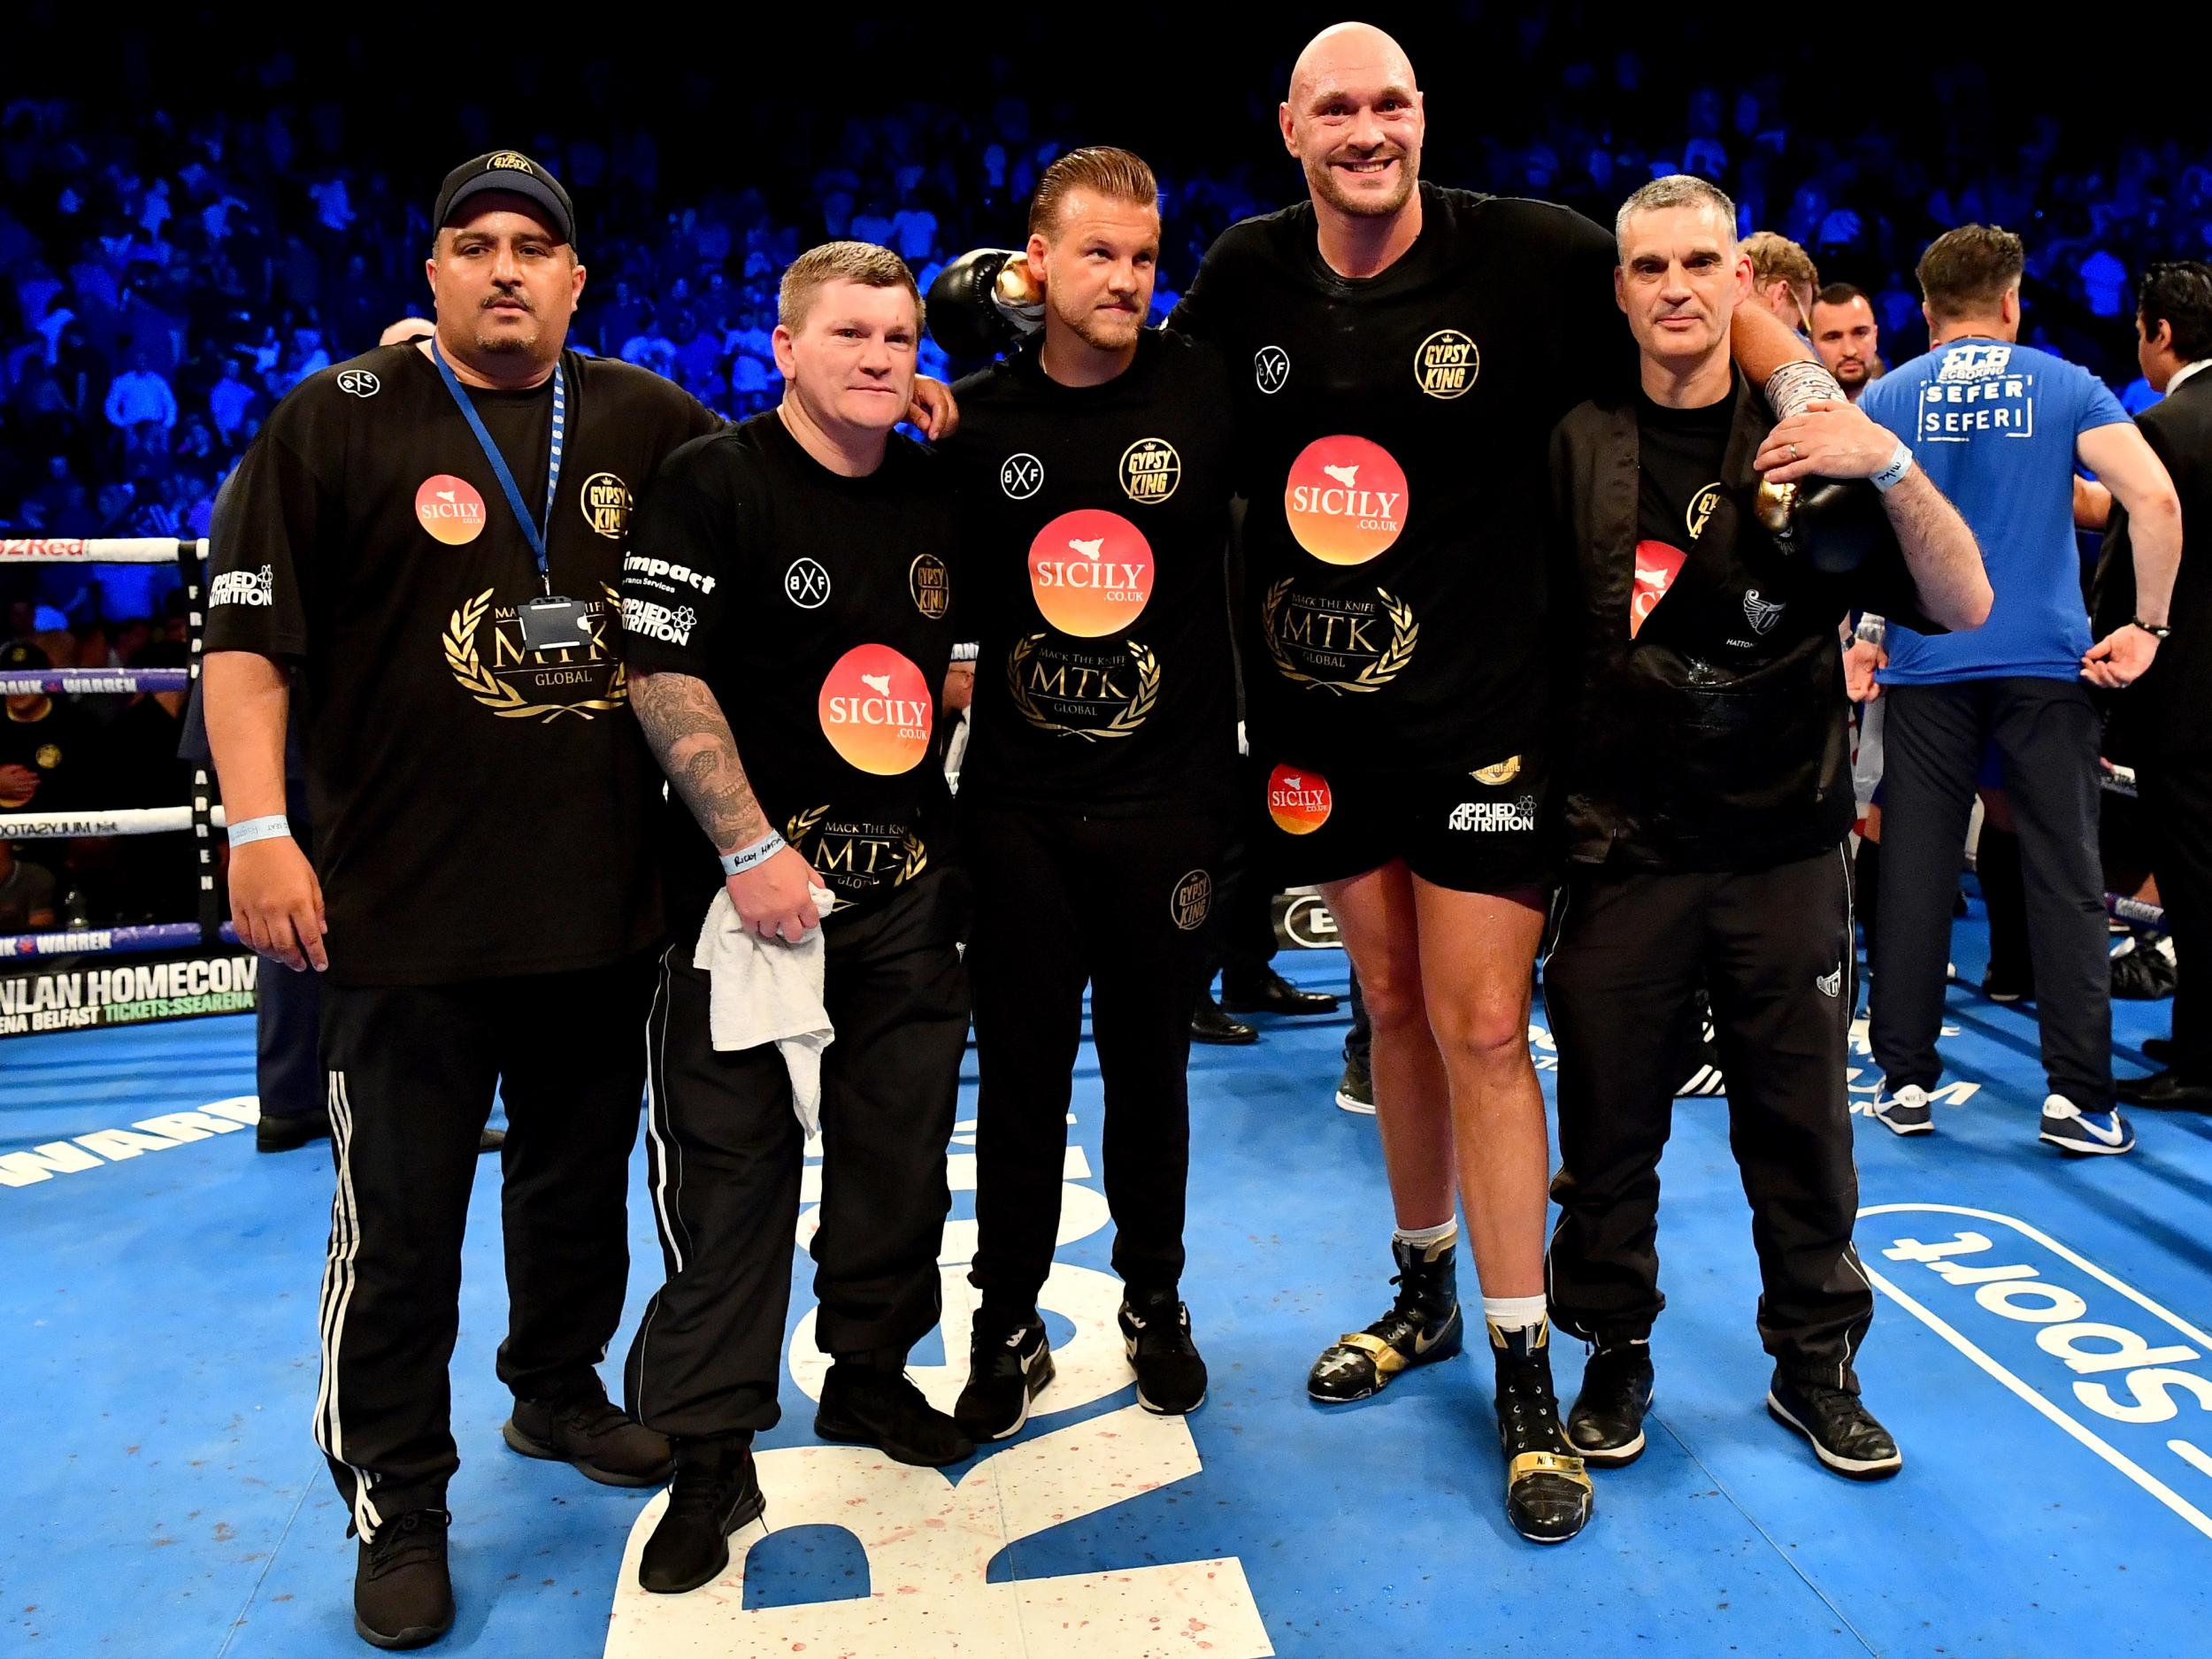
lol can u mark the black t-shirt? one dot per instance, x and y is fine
(1392, 433)
(1736, 668)
(58, 749)
(1094, 573)
(817, 610)
(478, 808)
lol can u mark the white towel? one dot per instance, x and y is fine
(765, 991)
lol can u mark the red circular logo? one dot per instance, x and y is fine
(877, 711)
(1346, 500)
(450, 509)
(1091, 572)
(1298, 800)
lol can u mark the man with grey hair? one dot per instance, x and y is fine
(1707, 800)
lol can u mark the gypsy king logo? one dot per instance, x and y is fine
(1192, 898)
(451, 509)
(1500, 775)
(1346, 500)
(520, 684)
(1150, 470)
(1701, 511)
(877, 711)
(1298, 800)
(1091, 572)
(930, 585)
(508, 161)
(1657, 565)
(605, 500)
(1446, 364)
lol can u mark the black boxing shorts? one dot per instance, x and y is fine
(1483, 827)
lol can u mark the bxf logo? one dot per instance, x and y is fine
(1271, 367)
(360, 382)
(2108, 1367)
(1021, 476)
(806, 584)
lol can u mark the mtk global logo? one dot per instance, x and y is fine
(877, 711)
(1298, 800)
(1091, 572)
(1345, 499)
(451, 509)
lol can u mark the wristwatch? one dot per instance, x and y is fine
(2156, 630)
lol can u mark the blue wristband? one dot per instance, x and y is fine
(759, 853)
(247, 831)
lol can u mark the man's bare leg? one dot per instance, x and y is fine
(1375, 916)
(1475, 952)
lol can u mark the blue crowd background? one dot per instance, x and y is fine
(201, 206)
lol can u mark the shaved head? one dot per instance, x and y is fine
(1354, 121)
(1344, 50)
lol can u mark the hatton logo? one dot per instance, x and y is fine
(1346, 500)
(1657, 565)
(1091, 572)
(605, 500)
(1299, 802)
(451, 509)
(1447, 363)
(1762, 614)
(877, 711)
(1150, 470)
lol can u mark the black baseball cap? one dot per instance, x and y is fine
(511, 170)
(20, 655)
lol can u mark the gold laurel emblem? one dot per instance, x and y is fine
(1130, 717)
(915, 858)
(1405, 633)
(503, 700)
(508, 161)
(801, 825)
(1701, 511)
(1446, 364)
(1150, 470)
(1505, 772)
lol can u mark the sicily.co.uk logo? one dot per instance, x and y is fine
(1091, 572)
(451, 509)
(1298, 800)
(876, 710)
(1344, 500)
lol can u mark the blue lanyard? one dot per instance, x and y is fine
(530, 526)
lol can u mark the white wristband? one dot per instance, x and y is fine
(248, 831)
(759, 853)
(1892, 474)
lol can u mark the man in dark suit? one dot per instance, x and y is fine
(2158, 722)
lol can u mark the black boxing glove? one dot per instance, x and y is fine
(983, 303)
(1834, 525)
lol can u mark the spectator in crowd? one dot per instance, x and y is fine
(1783, 278)
(141, 395)
(1847, 337)
(27, 894)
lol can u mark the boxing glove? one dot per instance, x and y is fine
(983, 303)
(1834, 525)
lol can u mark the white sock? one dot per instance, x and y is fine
(1513, 1313)
(1445, 1231)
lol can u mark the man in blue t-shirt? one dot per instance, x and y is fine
(1999, 427)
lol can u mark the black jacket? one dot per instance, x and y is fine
(1672, 762)
(2169, 711)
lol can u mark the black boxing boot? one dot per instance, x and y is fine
(1423, 1326)
(1548, 1496)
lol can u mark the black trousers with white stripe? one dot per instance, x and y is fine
(726, 1155)
(411, 1072)
(1774, 949)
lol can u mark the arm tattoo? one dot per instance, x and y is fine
(686, 731)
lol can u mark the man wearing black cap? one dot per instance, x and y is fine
(432, 533)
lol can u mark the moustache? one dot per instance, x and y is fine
(508, 299)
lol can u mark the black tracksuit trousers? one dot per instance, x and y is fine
(725, 1154)
(1121, 903)
(1774, 949)
(2177, 796)
(409, 1073)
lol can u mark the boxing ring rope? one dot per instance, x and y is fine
(200, 815)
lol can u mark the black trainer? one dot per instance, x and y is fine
(402, 1595)
(1606, 1425)
(868, 1405)
(603, 1441)
(1007, 1369)
(1843, 1431)
(1422, 1327)
(1156, 1334)
(285, 1131)
(1548, 1496)
(714, 1492)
